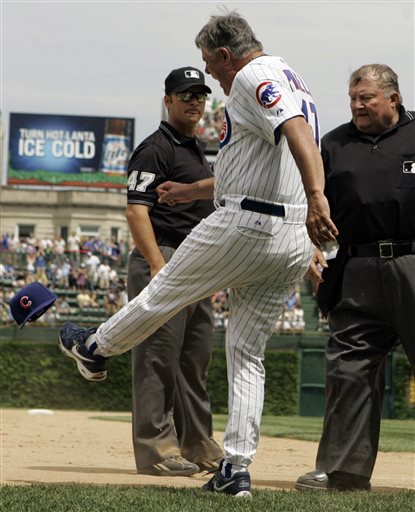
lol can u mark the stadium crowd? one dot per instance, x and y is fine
(89, 277)
(210, 126)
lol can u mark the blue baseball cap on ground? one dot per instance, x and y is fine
(29, 303)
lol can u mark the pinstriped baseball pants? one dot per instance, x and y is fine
(259, 258)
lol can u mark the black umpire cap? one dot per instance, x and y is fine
(29, 303)
(179, 80)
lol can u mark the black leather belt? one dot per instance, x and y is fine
(383, 249)
(276, 210)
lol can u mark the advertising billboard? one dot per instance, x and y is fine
(73, 151)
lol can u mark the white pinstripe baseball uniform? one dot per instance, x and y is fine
(257, 256)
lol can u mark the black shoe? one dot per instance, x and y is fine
(239, 485)
(72, 340)
(336, 481)
(172, 466)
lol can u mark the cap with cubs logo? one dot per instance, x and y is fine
(29, 303)
(180, 80)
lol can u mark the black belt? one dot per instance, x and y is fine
(276, 210)
(383, 249)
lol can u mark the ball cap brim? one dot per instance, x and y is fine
(30, 303)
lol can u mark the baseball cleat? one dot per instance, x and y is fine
(337, 481)
(72, 340)
(172, 466)
(238, 485)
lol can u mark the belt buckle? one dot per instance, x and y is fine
(386, 250)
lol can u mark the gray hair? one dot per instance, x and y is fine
(383, 75)
(229, 31)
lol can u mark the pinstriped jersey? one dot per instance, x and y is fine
(254, 159)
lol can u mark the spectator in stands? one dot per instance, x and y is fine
(86, 299)
(218, 315)
(103, 275)
(73, 272)
(86, 245)
(30, 278)
(10, 293)
(5, 242)
(92, 263)
(32, 240)
(82, 281)
(115, 250)
(218, 116)
(62, 275)
(220, 309)
(298, 323)
(30, 251)
(45, 248)
(41, 276)
(49, 317)
(59, 246)
(40, 261)
(122, 293)
(7, 271)
(74, 247)
(14, 243)
(210, 125)
(51, 271)
(95, 246)
(286, 320)
(63, 308)
(106, 250)
(291, 320)
(112, 301)
(113, 276)
(20, 279)
(5, 316)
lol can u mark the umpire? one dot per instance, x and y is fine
(172, 422)
(369, 289)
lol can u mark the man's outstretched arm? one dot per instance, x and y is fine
(171, 192)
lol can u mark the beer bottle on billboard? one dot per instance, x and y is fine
(116, 146)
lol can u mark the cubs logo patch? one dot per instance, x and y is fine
(408, 167)
(267, 95)
(226, 130)
(25, 303)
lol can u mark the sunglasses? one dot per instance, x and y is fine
(200, 97)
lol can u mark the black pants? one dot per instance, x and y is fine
(376, 311)
(171, 407)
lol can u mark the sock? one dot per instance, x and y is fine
(91, 344)
(228, 470)
(93, 347)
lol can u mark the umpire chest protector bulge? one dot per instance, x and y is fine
(370, 182)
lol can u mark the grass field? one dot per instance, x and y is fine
(395, 435)
(87, 498)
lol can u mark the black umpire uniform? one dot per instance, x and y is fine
(369, 289)
(171, 407)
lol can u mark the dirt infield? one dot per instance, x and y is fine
(71, 446)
